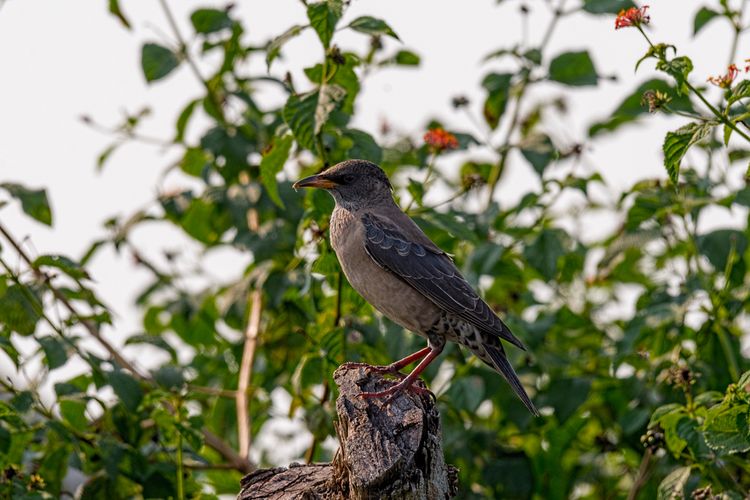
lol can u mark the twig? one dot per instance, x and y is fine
(642, 476)
(239, 463)
(90, 327)
(246, 372)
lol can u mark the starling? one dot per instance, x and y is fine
(389, 260)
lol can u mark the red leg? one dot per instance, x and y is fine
(406, 383)
(394, 367)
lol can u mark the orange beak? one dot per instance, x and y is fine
(316, 181)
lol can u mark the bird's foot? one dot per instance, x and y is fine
(385, 370)
(393, 391)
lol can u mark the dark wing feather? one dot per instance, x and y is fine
(432, 273)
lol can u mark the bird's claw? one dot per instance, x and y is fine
(395, 390)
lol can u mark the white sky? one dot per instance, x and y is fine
(60, 60)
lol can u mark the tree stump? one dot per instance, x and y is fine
(386, 451)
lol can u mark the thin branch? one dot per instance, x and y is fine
(89, 325)
(242, 401)
(239, 463)
(642, 477)
(246, 372)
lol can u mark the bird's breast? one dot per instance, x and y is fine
(384, 290)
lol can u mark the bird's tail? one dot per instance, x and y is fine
(502, 365)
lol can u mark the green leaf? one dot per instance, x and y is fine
(183, 119)
(272, 163)
(539, 151)
(195, 161)
(54, 351)
(726, 428)
(299, 115)
(406, 58)
(114, 9)
(210, 20)
(372, 26)
(677, 143)
(73, 411)
(632, 106)
(416, 190)
(544, 252)
(678, 68)
(716, 246)
(606, 6)
(498, 88)
(364, 146)
(127, 389)
(740, 91)
(673, 485)
(329, 97)
(33, 201)
(157, 61)
(323, 18)
(702, 17)
(64, 264)
(274, 47)
(17, 311)
(573, 68)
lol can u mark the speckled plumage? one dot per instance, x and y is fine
(389, 260)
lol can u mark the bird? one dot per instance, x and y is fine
(395, 267)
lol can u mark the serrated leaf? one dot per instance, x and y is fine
(274, 48)
(702, 17)
(34, 202)
(329, 97)
(677, 143)
(726, 428)
(272, 163)
(210, 20)
(323, 18)
(372, 26)
(678, 68)
(299, 115)
(673, 486)
(574, 69)
(64, 264)
(157, 61)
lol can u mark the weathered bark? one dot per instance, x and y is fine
(387, 451)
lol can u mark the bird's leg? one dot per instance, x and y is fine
(396, 366)
(407, 383)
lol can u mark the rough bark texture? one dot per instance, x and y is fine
(387, 451)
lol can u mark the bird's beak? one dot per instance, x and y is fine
(316, 181)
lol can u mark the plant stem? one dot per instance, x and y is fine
(505, 148)
(640, 479)
(430, 167)
(716, 112)
(180, 472)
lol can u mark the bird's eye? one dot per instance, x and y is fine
(349, 178)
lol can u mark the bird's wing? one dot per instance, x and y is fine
(429, 270)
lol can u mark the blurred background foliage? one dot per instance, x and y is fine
(634, 339)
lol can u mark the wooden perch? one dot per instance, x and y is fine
(387, 451)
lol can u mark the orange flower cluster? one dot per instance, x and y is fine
(725, 81)
(632, 17)
(439, 139)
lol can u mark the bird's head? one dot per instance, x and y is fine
(352, 183)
